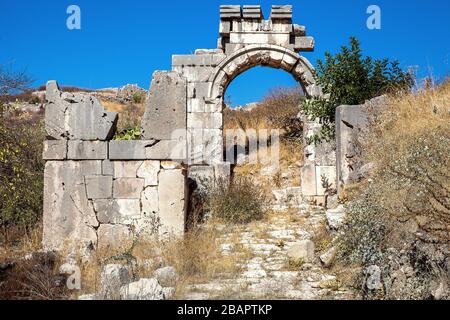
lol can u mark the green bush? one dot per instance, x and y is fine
(138, 97)
(129, 125)
(239, 202)
(21, 174)
(349, 79)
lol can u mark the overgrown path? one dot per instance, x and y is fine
(265, 269)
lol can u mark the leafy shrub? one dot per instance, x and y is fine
(138, 97)
(21, 173)
(129, 125)
(349, 79)
(240, 201)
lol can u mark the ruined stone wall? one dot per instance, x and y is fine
(101, 193)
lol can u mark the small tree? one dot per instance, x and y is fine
(348, 78)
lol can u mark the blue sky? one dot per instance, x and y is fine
(125, 41)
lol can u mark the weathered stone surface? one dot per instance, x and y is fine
(205, 120)
(335, 217)
(170, 165)
(352, 125)
(114, 238)
(308, 175)
(108, 167)
(167, 276)
(87, 150)
(198, 60)
(144, 289)
(77, 116)
(222, 171)
(329, 174)
(172, 193)
(202, 175)
(304, 44)
(128, 188)
(165, 111)
(117, 211)
(149, 202)
(328, 257)
(69, 220)
(303, 250)
(167, 150)
(55, 150)
(98, 187)
(129, 150)
(148, 170)
(126, 169)
(112, 278)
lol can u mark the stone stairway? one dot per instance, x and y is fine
(267, 271)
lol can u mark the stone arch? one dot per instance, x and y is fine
(262, 55)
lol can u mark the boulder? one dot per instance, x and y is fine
(112, 278)
(166, 276)
(144, 289)
(335, 217)
(302, 250)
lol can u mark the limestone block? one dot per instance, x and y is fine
(336, 217)
(195, 105)
(149, 202)
(304, 44)
(327, 172)
(283, 12)
(230, 12)
(302, 250)
(114, 238)
(77, 116)
(298, 30)
(128, 188)
(108, 167)
(166, 276)
(126, 169)
(170, 165)
(288, 62)
(167, 150)
(165, 110)
(205, 120)
(98, 187)
(252, 12)
(117, 211)
(202, 175)
(112, 277)
(280, 38)
(149, 170)
(128, 150)
(212, 146)
(194, 74)
(214, 106)
(225, 27)
(144, 289)
(172, 193)
(198, 60)
(87, 150)
(198, 90)
(308, 175)
(55, 150)
(68, 219)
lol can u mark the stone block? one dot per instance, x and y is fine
(230, 12)
(165, 110)
(117, 211)
(144, 289)
(194, 74)
(68, 220)
(198, 60)
(327, 172)
(128, 150)
(112, 278)
(304, 44)
(167, 150)
(205, 120)
(87, 150)
(149, 170)
(77, 116)
(114, 238)
(172, 194)
(225, 27)
(108, 167)
(222, 171)
(128, 188)
(98, 187)
(55, 150)
(302, 250)
(280, 39)
(195, 105)
(150, 202)
(202, 175)
(252, 12)
(308, 175)
(126, 169)
(198, 90)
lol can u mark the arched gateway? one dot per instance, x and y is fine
(104, 193)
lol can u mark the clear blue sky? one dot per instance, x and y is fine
(125, 41)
